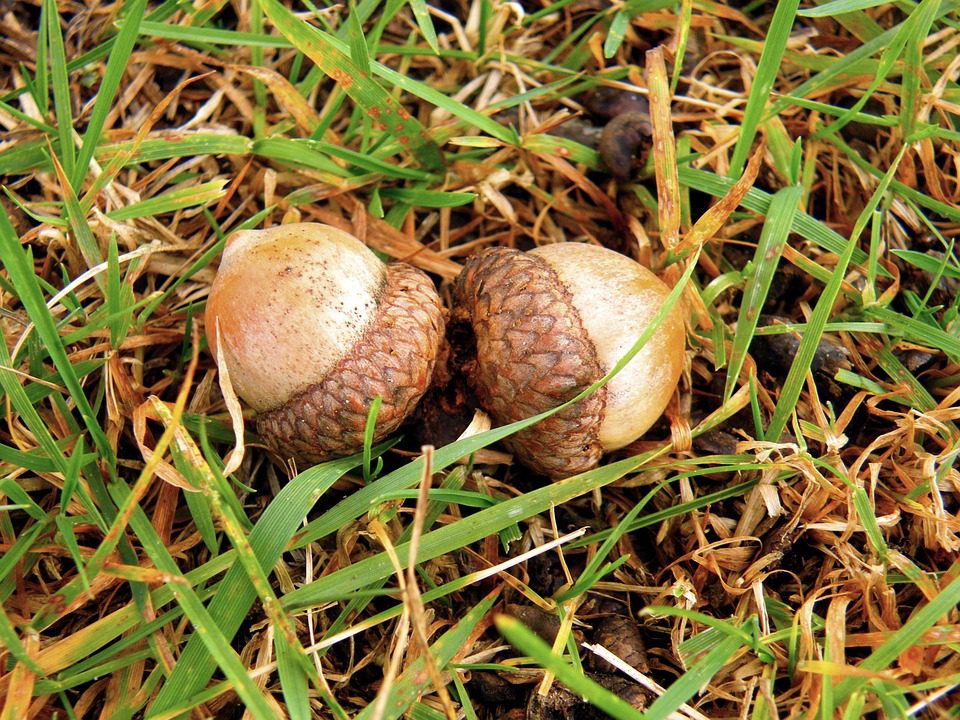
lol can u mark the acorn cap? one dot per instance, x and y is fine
(313, 327)
(532, 354)
(551, 322)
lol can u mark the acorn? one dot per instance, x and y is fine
(313, 327)
(549, 323)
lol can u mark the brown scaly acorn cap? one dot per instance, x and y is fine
(314, 326)
(532, 354)
(549, 323)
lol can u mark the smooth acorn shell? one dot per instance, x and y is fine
(616, 299)
(549, 323)
(313, 326)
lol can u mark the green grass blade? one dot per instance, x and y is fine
(936, 266)
(616, 32)
(453, 480)
(888, 58)
(457, 534)
(201, 262)
(24, 118)
(865, 511)
(256, 58)
(172, 200)
(200, 17)
(35, 461)
(124, 628)
(177, 145)
(593, 568)
(911, 86)
(118, 301)
(676, 510)
(793, 385)
(529, 643)
(11, 643)
(77, 219)
(269, 537)
(115, 537)
(117, 63)
(916, 331)
(62, 97)
(359, 53)
(300, 153)
(683, 38)
(207, 629)
(774, 236)
(329, 56)
(905, 638)
(466, 705)
(371, 163)
(464, 498)
(839, 7)
(773, 46)
(293, 681)
(68, 538)
(160, 13)
(422, 15)
(188, 460)
(52, 456)
(415, 680)
(847, 65)
(41, 80)
(370, 474)
(385, 13)
(20, 270)
(759, 201)
(948, 210)
(13, 492)
(72, 679)
(429, 198)
(467, 115)
(203, 519)
(21, 547)
(25, 157)
(690, 683)
(211, 36)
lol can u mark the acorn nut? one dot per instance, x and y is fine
(549, 323)
(313, 326)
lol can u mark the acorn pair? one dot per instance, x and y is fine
(313, 326)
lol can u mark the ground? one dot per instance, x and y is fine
(781, 543)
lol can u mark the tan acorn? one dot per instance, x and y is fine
(313, 326)
(550, 322)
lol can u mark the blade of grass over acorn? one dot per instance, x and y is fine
(195, 527)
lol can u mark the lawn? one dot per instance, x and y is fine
(782, 543)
